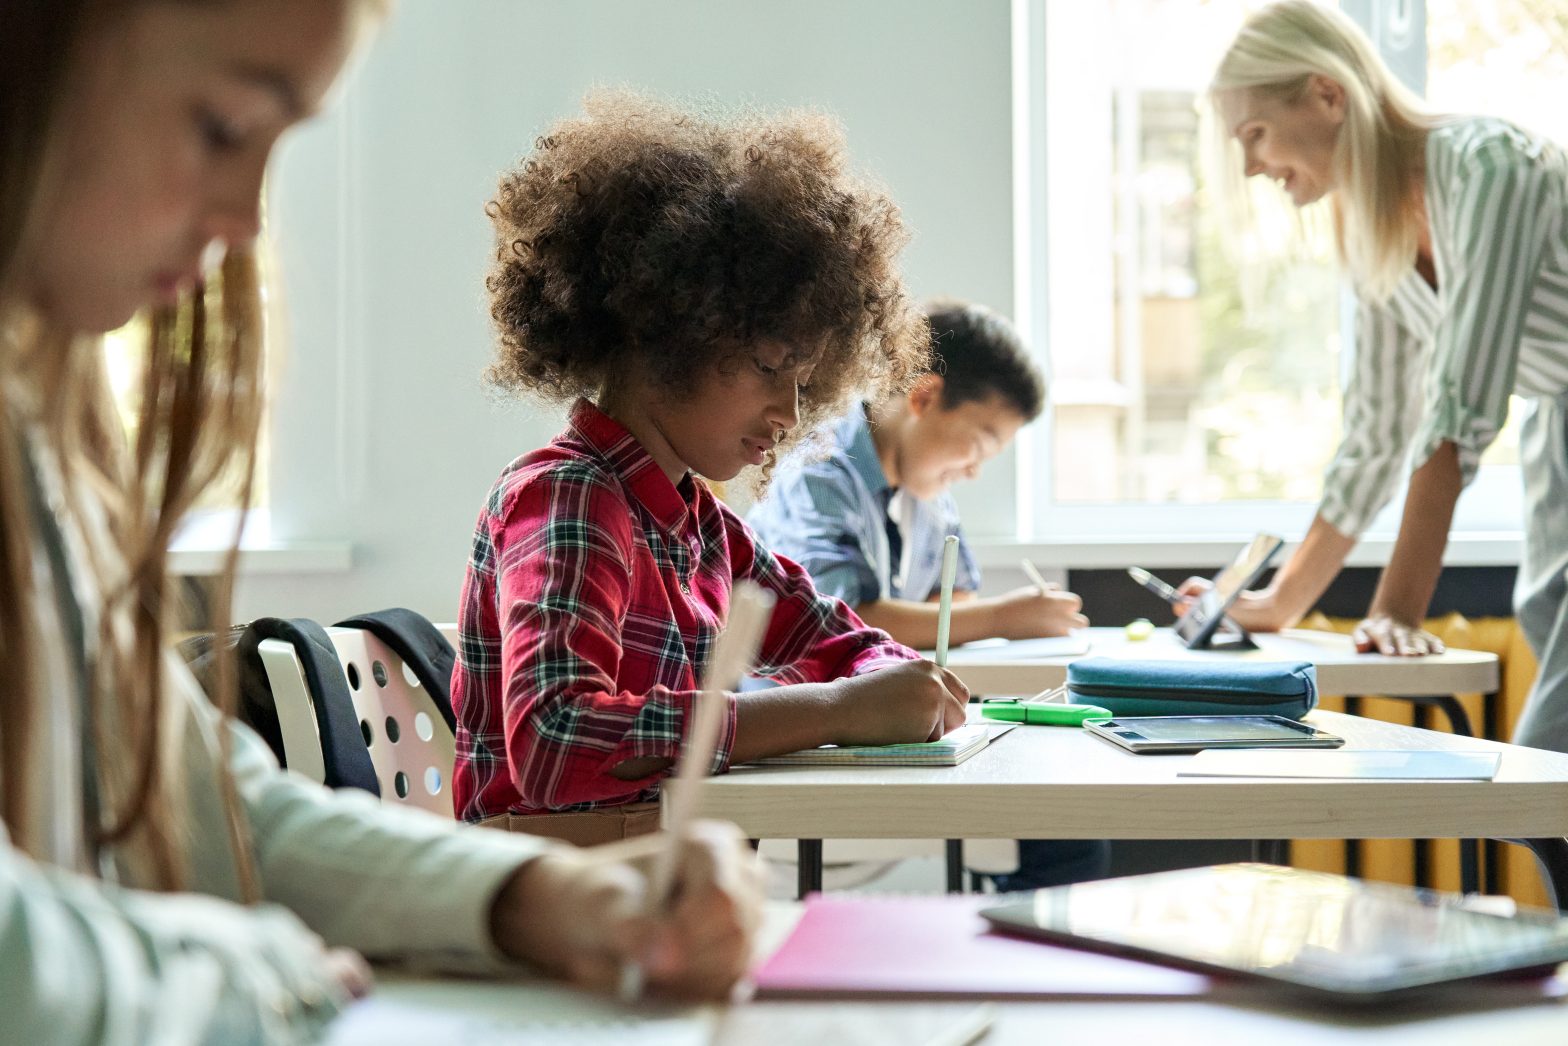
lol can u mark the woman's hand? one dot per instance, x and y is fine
(579, 914)
(1259, 610)
(1384, 634)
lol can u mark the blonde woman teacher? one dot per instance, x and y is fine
(1453, 231)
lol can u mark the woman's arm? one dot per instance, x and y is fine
(1393, 624)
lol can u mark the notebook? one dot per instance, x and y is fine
(1426, 765)
(391, 1022)
(954, 747)
(937, 946)
(1074, 645)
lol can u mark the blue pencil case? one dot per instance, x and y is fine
(1132, 688)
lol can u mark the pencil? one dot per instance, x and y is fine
(750, 608)
(944, 614)
(1035, 578)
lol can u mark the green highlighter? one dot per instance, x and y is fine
(1039, 713)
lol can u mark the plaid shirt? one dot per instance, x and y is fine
(594, 594)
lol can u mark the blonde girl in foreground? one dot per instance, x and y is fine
(160, 879)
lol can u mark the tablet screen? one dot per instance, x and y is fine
(1199, 622)
(1198, 728)
(1311, 929)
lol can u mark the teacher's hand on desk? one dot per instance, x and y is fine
(578, 914)
(1383, 634)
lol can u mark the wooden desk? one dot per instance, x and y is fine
(1062, 783)
(988, 669)
(506, 1011)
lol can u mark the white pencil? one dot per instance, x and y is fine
(1035, 577)
(944, 615)
(733, 653)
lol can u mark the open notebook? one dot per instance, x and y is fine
(954, 747)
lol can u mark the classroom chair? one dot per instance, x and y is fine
(405, 743)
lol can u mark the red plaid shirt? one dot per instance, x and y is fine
(594, 594)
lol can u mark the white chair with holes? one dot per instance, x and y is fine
(410, 745)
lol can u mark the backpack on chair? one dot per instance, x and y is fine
(345, 760)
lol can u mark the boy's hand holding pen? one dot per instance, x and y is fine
(1042, 609)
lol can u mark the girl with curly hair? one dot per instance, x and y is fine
(704, 291)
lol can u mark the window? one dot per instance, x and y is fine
(125, 356)
(1184, 374)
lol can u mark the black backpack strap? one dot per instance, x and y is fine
(421, 646)
(343, 752)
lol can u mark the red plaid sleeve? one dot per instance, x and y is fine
(572, 624)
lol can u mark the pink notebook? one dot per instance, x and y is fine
(868, 945)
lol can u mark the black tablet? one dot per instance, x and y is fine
(1205, 624)
(1154, 734)
(1320, 933)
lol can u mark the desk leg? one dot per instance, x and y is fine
(1553, 855)
(955, 866)
(1492, 730)
(808, 874)
(1353, 846)
(1271, 851)
(1469, 849)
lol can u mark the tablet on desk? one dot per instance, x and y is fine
(1193, 733)
(1205, 624)
(1312, 931)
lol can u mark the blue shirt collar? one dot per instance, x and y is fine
(853, 434)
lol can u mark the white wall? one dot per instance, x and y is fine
(383, 432)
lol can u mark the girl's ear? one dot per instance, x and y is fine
(926, 394)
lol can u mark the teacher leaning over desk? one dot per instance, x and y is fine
(1453, 231)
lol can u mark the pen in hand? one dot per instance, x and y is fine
(1035, 578)
(944, 614)
(1158, 587)
(733, 653)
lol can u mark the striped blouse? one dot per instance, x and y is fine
(1430, 366)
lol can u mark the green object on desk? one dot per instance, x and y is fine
(1037, 713)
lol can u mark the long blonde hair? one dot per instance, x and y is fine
(199, 408)
(1379, 158)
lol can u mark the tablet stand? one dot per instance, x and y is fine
(1227, 636)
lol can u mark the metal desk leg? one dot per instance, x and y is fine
(1271, 851)
(1469, 849)
(1470, 865)
(955, 866)
(808, 873)
(1553, 855)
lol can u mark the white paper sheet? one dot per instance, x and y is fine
(1398, 765)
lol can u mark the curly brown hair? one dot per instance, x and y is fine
(641, 233)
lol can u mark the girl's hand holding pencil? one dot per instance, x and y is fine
(582, 914)
(674, 912)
